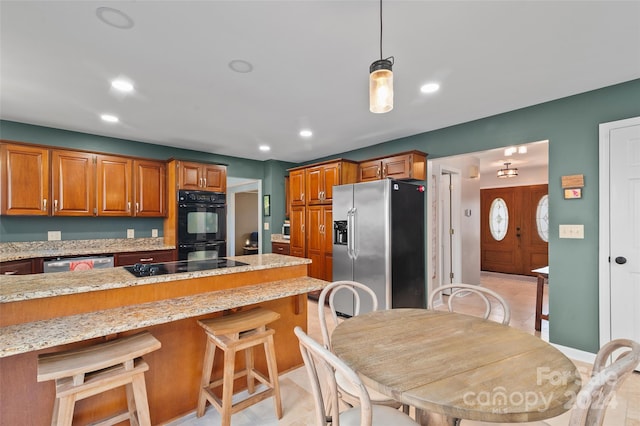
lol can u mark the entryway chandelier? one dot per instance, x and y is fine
(381, 81)
(507, 172)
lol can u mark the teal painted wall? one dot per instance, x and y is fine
(571, 126)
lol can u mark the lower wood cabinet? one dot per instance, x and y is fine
(280, 248)
(155, 256)
(21, 267)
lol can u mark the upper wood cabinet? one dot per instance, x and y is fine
(150, 188)
(73, 189)
(82, 183)
(25, 180)
(320, 180)
(407, 165)
(296, 187)
(201, 176)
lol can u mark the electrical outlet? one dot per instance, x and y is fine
(572, 231)
(154, 233)
(131, 233)
(54, 235)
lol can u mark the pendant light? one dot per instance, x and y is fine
(507, 172)
(381, 81)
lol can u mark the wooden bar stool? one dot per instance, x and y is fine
(88, 371)
(233, 333)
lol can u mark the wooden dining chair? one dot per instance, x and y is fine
(347, 392)
(322, 367)
(461, 290)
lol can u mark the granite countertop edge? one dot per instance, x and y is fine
(17, 288)
(37, 335)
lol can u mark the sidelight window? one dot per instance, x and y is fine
(542, 218)
(498, 219)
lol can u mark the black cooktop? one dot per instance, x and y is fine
(148, 269)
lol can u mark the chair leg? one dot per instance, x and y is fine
(131, 404)
(207, 368)
(141, 402)
(269, 349)
(249, 366)
(227, 385)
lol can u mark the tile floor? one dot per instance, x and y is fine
(519, 291)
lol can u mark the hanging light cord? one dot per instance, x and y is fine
(380, 29)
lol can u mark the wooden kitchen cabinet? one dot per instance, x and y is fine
(297, 239)
(201, 176)
(296, 187)
(319, 241)
(280, 248)
(154, 256)
(320, 180)
(25, 180)
(18, 267)
(73, 186)
(410, 165)
(114, 187)
(150, 188)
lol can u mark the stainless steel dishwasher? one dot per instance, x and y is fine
(64, 264)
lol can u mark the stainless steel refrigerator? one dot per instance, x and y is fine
(378, 240)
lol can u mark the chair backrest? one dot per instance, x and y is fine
(458, 290)
(322, 366)
(592, 400)
(331, 290)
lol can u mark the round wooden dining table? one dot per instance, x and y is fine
(458, 366)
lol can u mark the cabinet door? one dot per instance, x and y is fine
(369, 170)
(189, 176)
(297, 187)
(313, 184)
(214, 178)
(327, 235)
(280, 248)
(25, 180)
(73, 183)
(319, 240)
(398, 167)
(150, 188)
(330, 178)
(17, 267)
(297, 238)
(114, 185)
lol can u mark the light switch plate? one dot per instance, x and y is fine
(266, 226)
(131, 233)
(572, 231)
(54, 235)
(154, 233)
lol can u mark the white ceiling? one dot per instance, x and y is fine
(310, 67)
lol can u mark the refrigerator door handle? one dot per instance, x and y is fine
(354, 243)
(349, 236)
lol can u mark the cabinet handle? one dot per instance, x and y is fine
(147, 259)
(302, 197)
(137, 207)
(55, 205)
(44, 205)
(279, 248)
(205, 183)
(302, 228)
(384, 174)
(200, 182)
(9, 272)
(129, 206)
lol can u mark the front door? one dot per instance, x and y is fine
(514, 229)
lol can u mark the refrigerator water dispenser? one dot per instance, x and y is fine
(340, 232)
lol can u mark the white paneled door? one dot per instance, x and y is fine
(620, 275)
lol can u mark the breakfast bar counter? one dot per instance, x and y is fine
(53, 312)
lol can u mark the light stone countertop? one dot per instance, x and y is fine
(15, 288)
(36, 249)
(279, 238)
(27, 337)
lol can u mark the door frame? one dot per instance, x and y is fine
(604, 265)
(235, 185)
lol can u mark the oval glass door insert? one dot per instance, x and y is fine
(542, 218)
(498, 219)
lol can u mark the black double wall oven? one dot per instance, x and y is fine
(202, 225)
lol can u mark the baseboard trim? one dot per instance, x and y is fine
(576, 354)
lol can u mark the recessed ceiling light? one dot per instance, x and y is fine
(306, 133)
(265, 148)
(430, 88)
(114, 17)
(241, 66)
(522, 149)
(122, 85)
(109, 118)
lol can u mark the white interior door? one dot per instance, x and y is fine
(620, 211)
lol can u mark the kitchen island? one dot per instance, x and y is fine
(52, 312)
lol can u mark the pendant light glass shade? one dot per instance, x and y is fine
(507, 172)
(381, 86)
